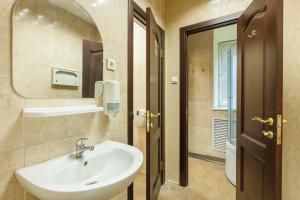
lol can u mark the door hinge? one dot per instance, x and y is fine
(162, 53)
(279, 129)
(162, 165)
(148, 121)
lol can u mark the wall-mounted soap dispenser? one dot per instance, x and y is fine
(110, 91)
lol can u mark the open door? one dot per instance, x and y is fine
(153, 103)
(259, 101)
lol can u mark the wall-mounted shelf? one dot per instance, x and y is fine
(60, 111)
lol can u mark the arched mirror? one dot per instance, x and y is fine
(57, 50)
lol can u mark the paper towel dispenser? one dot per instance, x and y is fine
(65, 77)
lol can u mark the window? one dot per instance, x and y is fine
(223, 67)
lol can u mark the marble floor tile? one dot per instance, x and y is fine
(207, 181)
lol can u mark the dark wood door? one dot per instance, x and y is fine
(259, 103)
(153, 85)
(92, 68)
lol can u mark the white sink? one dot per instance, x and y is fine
(99, 175)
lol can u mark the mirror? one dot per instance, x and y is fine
(57, 50)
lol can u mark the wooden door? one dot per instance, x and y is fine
(92, 69)
(259, 102)
(153, 87)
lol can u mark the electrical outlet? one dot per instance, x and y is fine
(174, 80)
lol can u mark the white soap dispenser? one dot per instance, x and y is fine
(111, 97)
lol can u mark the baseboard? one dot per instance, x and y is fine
(207, 157)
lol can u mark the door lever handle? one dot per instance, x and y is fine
(268, 134)
(268, 121)
(154, 115)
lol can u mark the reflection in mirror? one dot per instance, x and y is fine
(57, 50)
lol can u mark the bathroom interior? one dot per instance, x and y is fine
(212, 68)
(91, 100)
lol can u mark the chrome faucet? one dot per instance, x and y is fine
(81, 148)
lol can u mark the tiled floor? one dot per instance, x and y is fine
(207, 182)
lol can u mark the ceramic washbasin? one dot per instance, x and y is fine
(99, 175)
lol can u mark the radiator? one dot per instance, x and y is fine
(219, 134)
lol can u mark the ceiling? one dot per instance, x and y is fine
(73, 7)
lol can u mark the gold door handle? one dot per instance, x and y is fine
(268, 121)
(252, 34)
(268, 134)
(154, 115)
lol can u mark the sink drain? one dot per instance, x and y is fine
(91, 183)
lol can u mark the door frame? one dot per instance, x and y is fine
(135, 11)
(184, 33)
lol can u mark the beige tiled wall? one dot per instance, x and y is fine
(180, 14)
(25, 141)
(200, 69)
(291, 100)
(47, 36)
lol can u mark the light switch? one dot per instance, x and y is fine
(111, 64)
(174, 80)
